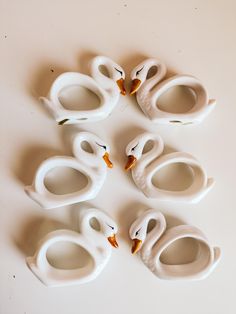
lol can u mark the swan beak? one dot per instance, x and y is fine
(107, 160)
(134, 86)
(136, 245)
(131, 162)
(112, 240)
(121, 85)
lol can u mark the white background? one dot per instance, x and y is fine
(194, 37)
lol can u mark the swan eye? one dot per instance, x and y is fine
(121, 73)
(137, 73)
(103, 146)
(132, 149)
(111, 227)
(137, 232)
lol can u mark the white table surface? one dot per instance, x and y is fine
(194, 37)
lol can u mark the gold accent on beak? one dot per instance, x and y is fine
(136, 245)
(121, 85)
(112, 240)
(107, 160)
(131, 162)
(63, 121)
(134, 86)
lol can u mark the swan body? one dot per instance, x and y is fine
(92, 241)
(92, 165)
(145, 165)
(107, 89)
(148, 91)
(151, 245)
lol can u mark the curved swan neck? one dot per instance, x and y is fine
(90, 159)
(105, 82)
(149, 83)
(96, 238)
(154, 235)
(155, 152)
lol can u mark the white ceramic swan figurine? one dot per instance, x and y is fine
(145, 165)
(94, 242)
(106, 88)
(148, 91)
(152, 245)
(92, 165)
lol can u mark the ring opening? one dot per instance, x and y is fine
(177, 99)
(77, 97)
(67, 255)
(176, 176)
(64, 180)
(181, 251)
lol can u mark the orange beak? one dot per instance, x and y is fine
(136, 245)
(131, 162)
(121, 85)
(134, 86)
(113, 241)
(107, 160)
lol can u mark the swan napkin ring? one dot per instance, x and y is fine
(94, 242)
(145, 165)
(151, 245)
(92, 165)
(107, 88)
(149, 89)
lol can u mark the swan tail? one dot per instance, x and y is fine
(212, 102)
(217, 255)
(210, 183)
(38, 198)
(30, 262)
(29, 190)
(49, 105)
(210, 106)
(216, 258)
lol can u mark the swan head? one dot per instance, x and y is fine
(114, 73)
(106, 226)
(137, 234)
(109, 229)
(134, 151)
(141, 73)
(118, 75)
(102, 150)
(139, 229)
(96, 149)
(138, 76)
(136, 148)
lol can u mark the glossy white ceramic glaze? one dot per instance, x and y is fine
(93, 165)
(106, 88)
(145, 165)
(96, 243)
(149, 90)
(152, 244)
